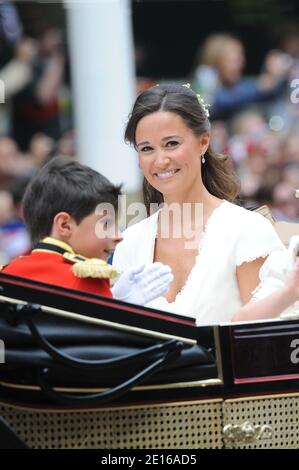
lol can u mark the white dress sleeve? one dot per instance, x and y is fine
(257, 239)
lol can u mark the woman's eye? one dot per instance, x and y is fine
(171, 143)
(146, 149)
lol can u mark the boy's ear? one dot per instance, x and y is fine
(63, 225)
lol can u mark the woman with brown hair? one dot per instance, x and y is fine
(215, 248)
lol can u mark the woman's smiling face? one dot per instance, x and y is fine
(169, 152)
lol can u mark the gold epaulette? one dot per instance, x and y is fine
(90, 267)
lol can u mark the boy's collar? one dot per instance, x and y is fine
(53, 245)
(82, 267)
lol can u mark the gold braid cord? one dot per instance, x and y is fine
(91, 267)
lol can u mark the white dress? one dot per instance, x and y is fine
(232, 236)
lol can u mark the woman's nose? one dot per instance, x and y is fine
(162, 158)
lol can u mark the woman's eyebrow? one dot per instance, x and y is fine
(164, 138)
(171, 137)
(142, 143)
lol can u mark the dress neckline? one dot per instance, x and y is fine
(192, 272)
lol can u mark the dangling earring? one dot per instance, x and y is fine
(203, 160)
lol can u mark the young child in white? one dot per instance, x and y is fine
(278, 291)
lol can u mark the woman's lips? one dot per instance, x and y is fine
(164, 175)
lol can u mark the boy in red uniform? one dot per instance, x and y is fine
(67, 229)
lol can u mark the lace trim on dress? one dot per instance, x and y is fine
(193, 271)
(249, 260)
(260, 285)
(253, 258)
(191, 274)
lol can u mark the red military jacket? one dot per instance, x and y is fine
(47, 264)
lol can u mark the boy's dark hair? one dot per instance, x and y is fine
(64, 185)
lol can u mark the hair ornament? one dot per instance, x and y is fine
(201, 101)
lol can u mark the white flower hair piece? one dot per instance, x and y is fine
(204, 105)
(201, 101)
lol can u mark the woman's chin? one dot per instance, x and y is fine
(164, 185)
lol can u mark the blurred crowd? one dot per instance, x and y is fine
(33, 122)
(255, 120)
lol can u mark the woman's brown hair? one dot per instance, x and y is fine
(217, 173)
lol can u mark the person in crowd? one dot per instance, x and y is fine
(15, 75)
(218, 76)
(12, 162)
(14, 236)
(36, 107)
(67, 144)
(40, 150)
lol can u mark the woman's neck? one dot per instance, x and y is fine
(197, 195)
(191, 208)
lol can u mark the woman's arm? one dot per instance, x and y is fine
(270, 306)
(248, 278)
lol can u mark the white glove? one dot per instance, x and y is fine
(143, 284)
